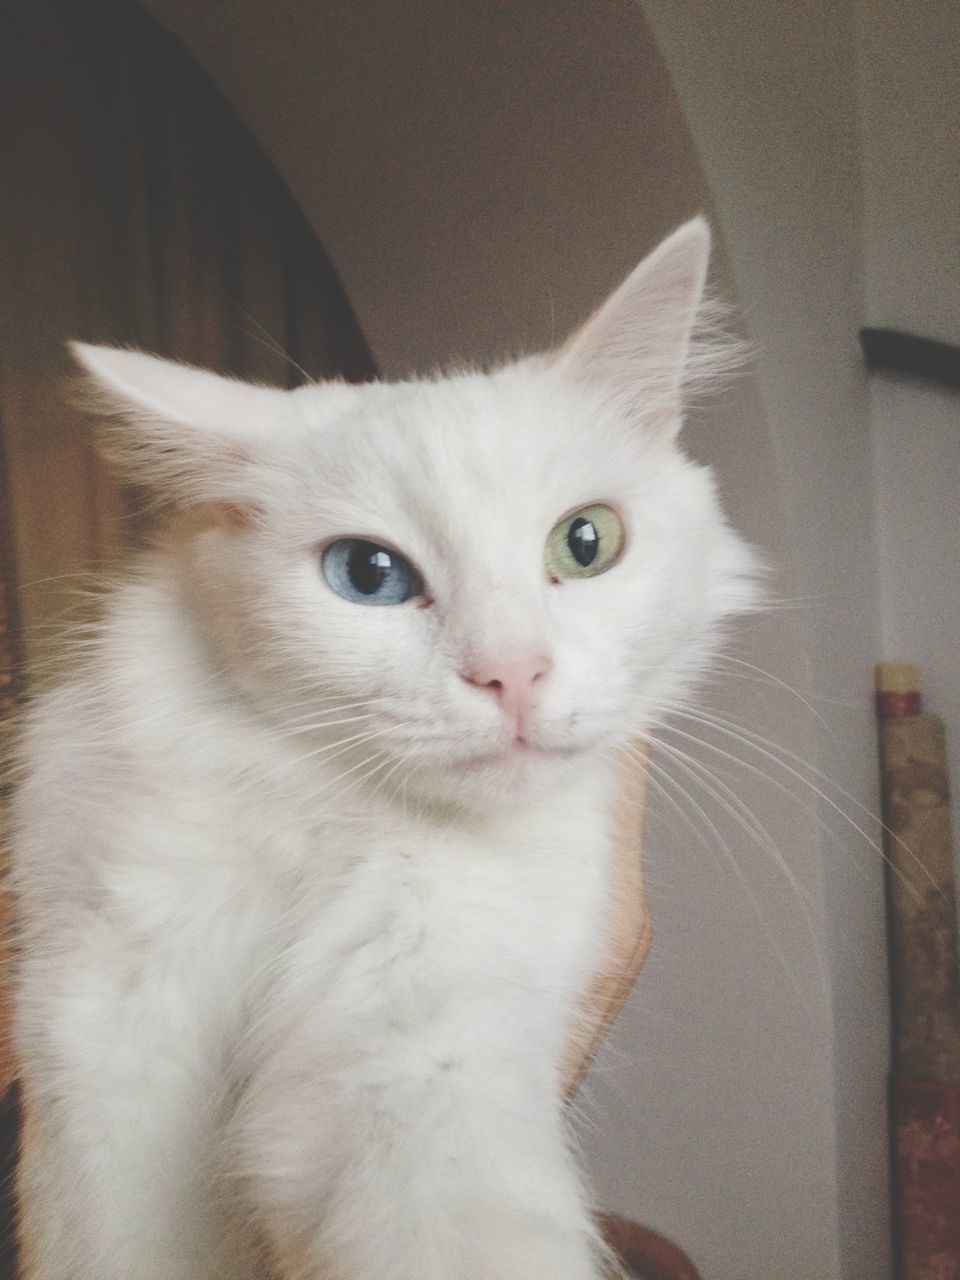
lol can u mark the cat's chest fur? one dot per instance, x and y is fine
(395, 932)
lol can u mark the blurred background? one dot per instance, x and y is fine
(387, 185)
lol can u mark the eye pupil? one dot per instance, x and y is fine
(368, 567)
(368, 573)
(583, 541)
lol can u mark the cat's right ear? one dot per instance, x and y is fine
(188, 434)
(639, 348)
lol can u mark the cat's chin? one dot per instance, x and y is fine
(520, 757)
(506, 778)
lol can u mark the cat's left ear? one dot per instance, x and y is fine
(637, 347)
(189, 434)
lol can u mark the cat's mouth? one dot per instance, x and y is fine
(467, 763)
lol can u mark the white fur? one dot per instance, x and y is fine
(302, 934)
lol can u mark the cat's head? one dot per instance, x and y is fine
(468, 585)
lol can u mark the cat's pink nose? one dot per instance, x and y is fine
(513, 682)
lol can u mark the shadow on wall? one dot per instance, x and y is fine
(137, 210)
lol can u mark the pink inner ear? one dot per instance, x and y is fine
(637, 344)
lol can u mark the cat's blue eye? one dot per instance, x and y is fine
(367, 573)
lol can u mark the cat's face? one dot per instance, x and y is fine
(466, 587)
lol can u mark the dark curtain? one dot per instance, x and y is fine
(136, 209)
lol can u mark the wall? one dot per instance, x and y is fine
(771, 95)
(481, 175)
(910, 87)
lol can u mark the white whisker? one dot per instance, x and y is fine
(760, 745)
(722, 844)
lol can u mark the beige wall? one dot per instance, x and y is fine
(782, 153)
(910, 87)
(481, 174)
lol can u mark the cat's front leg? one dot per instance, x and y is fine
(437, 1177)
(118, 1176)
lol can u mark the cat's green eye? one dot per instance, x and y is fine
(585, 543)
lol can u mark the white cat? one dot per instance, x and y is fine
(312, 855)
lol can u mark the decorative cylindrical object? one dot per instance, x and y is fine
(927, 1177)
(921, 905)
(920, 881)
